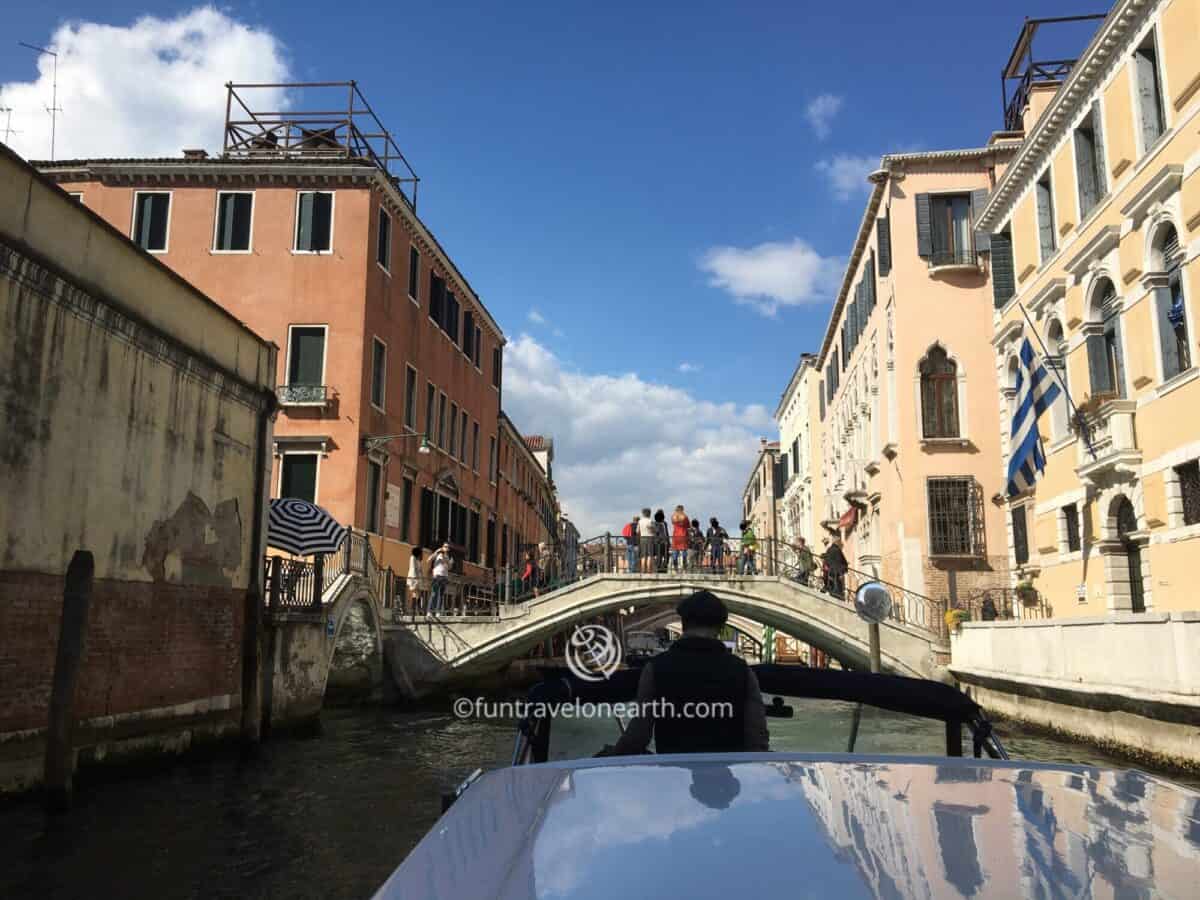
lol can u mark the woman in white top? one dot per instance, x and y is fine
(441, 575)
(415, 600)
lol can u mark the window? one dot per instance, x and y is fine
(426, 530)
(939, 395)
(473, 537)
(462, 440)
(1149, 93)
(450, 317)
(883, 240)
(430, 397)
(1189, 489)
(468, 333)
(1020, 535)
(383, 245)
(314, 221)
(77, 196)
(1004, 282)
(437, 297)
(1056, 363)
(410, 398)
(497, 365)
(1089, 161)
(306, 356)
(1047, 237)
(944, 236)
(1070, 514)
(454, 429)
(378, 373)
(406, 498)
(955, 517)
(234, 215)
(298, 476)
(475, 447)
(151, 214)
(441, 433)
(1106, 366)
(475, 347)
(492, 461)
(374, 477)
(1169, 305)
(414, 273)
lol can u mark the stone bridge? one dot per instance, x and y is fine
(451, 651)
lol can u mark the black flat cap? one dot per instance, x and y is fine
(703, 608)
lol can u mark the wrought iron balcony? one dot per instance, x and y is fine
(302, 394)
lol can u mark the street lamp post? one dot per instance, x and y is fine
(372, 442)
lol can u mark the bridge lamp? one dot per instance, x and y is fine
(373, 442)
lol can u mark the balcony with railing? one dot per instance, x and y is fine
(1106, 440)
(1029, 69)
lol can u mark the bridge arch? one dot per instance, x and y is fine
(354, 653)
(815, 618)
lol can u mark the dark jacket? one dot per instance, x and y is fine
(836, 559)
(697, 670)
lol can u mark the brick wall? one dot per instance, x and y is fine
(954, 579)
(148, 645)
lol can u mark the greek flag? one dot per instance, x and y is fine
(1036, 390)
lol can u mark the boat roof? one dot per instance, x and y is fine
(779, 824)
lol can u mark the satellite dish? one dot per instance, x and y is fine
(873, 602)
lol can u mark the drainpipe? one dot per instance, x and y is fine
(257, 679)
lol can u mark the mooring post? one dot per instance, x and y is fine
(59, 771)
(251, 726)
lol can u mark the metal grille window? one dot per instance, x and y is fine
(1071, 521)
(1020, 535)
(939, 395)
(955, 517)
(1189, 487)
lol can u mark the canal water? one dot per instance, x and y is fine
(331, 816)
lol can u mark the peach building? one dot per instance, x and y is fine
(908, 399)
(760, 501)
(800, 456)
(390, 365)
(1098, 219)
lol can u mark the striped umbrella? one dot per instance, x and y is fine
(302, 528)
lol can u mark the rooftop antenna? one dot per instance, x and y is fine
(54, 109)
(9, 131)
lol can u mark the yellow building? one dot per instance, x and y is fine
(1097, 218)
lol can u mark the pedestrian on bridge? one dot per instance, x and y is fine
(804, 563)
(749, 548)
(415, 598)
(646, 531)
(440, 568)
(836, 568)
(630, 534)
(662, 541)
(716, 538)
(679, 539)
(695, 546)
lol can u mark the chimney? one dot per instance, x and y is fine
(195, 154)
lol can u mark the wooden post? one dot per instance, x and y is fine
(60, 751)
(251, 728)
(873, 633)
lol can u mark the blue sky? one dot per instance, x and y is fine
(587, 161)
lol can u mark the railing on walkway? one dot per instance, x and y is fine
(1003, 604)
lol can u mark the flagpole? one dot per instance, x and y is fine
(1076, 415)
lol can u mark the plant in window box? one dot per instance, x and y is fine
(1027, 593)
(955, 617)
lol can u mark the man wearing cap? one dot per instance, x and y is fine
(697, 669)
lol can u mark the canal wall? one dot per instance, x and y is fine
(136, 428)
(1126, 682)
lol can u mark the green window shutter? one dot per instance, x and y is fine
(304, 217)
(1098, 370)
(821, 399)
(870, 284)
(1166, 333)
(924, 226)
(1004, 283)
(1118, 355)
(1147, 88)
(983, 238)
(322, 221)
(883, 237)
(1098, 130)
(1045, 215)
(1085, 173)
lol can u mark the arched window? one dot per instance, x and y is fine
(1106, 365)
(1169, 305)
(939, 395)
(1056, 344)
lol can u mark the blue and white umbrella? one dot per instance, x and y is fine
(302, 528)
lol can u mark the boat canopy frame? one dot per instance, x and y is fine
(895, 693)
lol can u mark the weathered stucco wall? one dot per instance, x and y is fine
(1130, 681)
(132, 408)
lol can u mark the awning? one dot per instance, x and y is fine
(849, 518)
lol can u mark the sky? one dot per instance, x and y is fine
(655, 201)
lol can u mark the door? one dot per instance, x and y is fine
(1127, 525)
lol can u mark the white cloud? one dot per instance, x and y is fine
(820, 112)
(621, 443)
(688, 368)
(536, 317)
(848, 174)
(150, 88)
(773, 274)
